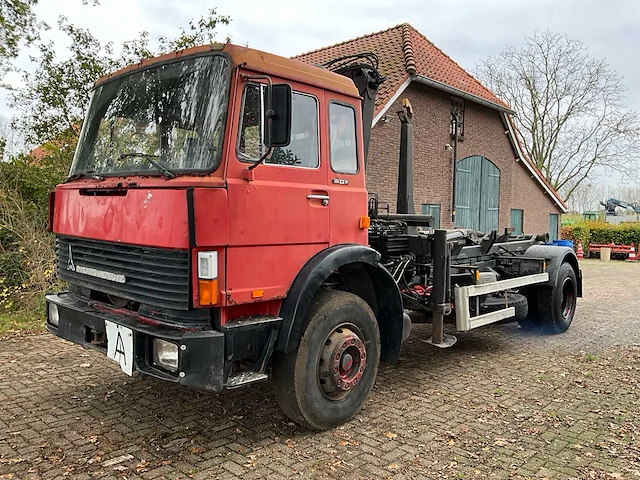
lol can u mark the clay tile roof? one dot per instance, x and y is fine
(404, 52)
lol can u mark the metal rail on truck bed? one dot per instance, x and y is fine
(464, 320)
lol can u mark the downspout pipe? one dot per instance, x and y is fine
(456, 123)
(404, 202)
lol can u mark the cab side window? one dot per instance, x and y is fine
(303, 151)
(342, 131)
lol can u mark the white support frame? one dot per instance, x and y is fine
(464, 320)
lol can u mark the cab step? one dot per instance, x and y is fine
(243, 378)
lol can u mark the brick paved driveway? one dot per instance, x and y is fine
(504, 402)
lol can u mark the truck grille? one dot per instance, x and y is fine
(152, 276)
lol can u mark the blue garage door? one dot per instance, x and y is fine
(432, 209)
(553, 226)
(477, 194)
(517, 220)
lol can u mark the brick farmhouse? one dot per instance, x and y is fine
(497, 185)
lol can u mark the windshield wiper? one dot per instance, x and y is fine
(150, 158)
(87, 174)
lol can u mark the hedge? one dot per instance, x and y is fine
(601, 232)
(578, 232)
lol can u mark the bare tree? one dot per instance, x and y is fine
(586, 197)
(624, 193)
(570, 113)
(590, 197)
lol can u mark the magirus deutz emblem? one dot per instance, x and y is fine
(94, 272)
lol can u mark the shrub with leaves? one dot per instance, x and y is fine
(602, 232)
(26, 252)
(578, 232)
(623, 234)
(26, 246)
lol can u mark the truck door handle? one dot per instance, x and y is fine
(315, 196)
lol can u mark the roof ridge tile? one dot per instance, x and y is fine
(407, 47)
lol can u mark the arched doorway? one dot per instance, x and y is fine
(477, 194)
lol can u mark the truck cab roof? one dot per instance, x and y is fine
(252, 59)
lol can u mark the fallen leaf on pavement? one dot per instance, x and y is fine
(142, 466)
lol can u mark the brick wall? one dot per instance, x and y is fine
(432, 162)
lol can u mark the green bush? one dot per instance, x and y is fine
(578, 232)
(624, 234)
(26, 246)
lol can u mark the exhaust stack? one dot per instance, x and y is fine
(362, 68)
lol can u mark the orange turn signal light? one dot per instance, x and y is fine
(208, 292)
(365, 222)
(257, 294)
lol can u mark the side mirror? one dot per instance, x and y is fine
(278, 116)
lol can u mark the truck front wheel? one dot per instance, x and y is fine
(325, 381)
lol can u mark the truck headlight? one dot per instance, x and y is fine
(54, 315)
(165, 355)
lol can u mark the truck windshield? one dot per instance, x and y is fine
(173, 113)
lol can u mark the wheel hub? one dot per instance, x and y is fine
(342, 362)
(347, 362)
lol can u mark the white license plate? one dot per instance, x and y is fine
(120, 345)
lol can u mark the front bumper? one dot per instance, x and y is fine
(201, 361)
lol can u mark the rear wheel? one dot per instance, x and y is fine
(557, 305)
(554, 308)
(326, 380)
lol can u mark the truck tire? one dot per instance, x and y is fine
(531, 320)
(557, 305)
(515, 300)
(553, 307)
(325, 381)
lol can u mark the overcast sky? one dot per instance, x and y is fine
(467, 30)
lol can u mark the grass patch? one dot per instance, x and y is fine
(21, 321)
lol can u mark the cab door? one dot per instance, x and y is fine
(345, 156)
(279, 218)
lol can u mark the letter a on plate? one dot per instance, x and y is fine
(120, 345)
